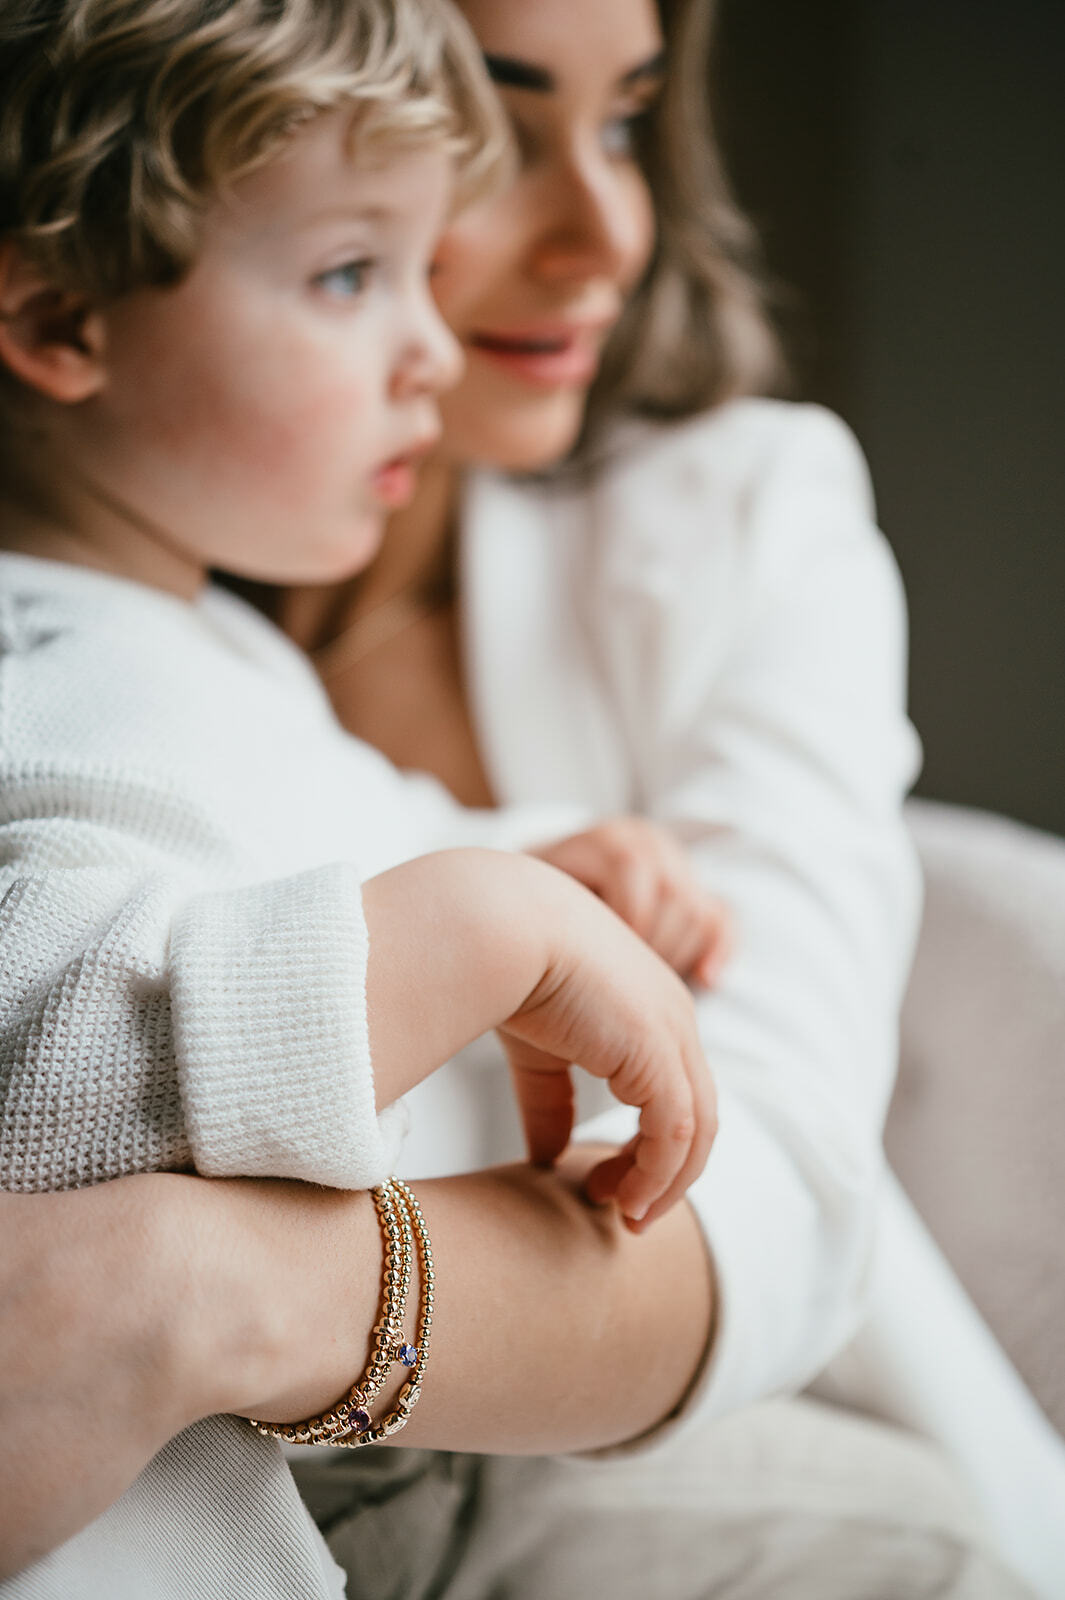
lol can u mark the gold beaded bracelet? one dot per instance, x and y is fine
(348, 1424)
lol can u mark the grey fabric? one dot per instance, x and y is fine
(788, 1500)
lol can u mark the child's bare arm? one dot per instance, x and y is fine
(466, 940)
(643, 873)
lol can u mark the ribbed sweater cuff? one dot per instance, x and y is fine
(268, 987)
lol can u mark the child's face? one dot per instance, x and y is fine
(266, 414)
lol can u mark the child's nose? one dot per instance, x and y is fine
(433, 358)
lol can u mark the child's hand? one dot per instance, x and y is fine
(462, 941)
(643, 874)
(608, 1002)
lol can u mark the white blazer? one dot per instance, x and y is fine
(709, 629)
(711, 632)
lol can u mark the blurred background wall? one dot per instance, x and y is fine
(905, 162)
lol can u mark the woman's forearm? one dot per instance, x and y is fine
(561, 1330)
(130, 1310)
(96, 1366)
(555, 1328)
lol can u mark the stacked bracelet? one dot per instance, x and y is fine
(348, 1425)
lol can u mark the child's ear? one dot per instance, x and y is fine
(52, 340)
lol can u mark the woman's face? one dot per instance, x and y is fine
(533, 279)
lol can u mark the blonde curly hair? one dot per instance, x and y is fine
(121, 119)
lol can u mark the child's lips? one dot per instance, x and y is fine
(394, 482)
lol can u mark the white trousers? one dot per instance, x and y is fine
(789, 1500)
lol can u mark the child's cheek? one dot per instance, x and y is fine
(286, 425)
(303, 436)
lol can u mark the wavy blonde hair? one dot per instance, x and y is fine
(697, 330)
(121, 119)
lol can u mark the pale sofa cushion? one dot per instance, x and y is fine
(977, 1127)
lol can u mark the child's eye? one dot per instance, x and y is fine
(349, 279)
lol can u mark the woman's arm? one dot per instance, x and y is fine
(99, 1335)
(130, 1310)
(752, 627)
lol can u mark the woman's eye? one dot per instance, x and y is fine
(621, 135)
(528, 146)
(349, 279)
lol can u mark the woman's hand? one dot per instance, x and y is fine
(644, 875)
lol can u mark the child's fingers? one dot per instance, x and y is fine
(601, 1184)
(631, 888)
(615, 861)
(668, 1156)
(705, 1106)
(544, 1089)
(718, 951)
(669, 1128)
(679, 932)
(653, 1175)
(691, 930)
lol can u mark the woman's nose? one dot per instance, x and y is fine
(594, 226)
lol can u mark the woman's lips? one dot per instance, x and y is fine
(545, 357)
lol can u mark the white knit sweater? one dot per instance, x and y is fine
(183, 831)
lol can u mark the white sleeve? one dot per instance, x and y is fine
(151, 1020)
(783, 762)
(415, 814)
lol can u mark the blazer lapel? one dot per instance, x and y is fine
(535, 691)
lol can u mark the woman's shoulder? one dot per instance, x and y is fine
(746, 511)
(748, 492)
(758, 487)
(742, 444)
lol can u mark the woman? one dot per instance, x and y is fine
(767, 655)
(698, 621)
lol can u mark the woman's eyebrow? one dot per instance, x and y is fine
(653, 67)
(511, 73)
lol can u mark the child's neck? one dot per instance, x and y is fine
(412, 557)
(416, 539)
(78, 522)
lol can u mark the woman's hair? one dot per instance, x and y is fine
(121, 119)
(696, 331)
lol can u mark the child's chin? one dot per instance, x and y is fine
(348, 558)
(359, 554)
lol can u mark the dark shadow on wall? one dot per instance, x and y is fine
(904, 162)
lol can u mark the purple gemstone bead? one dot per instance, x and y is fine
(408, 1355)
(359, 1420)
